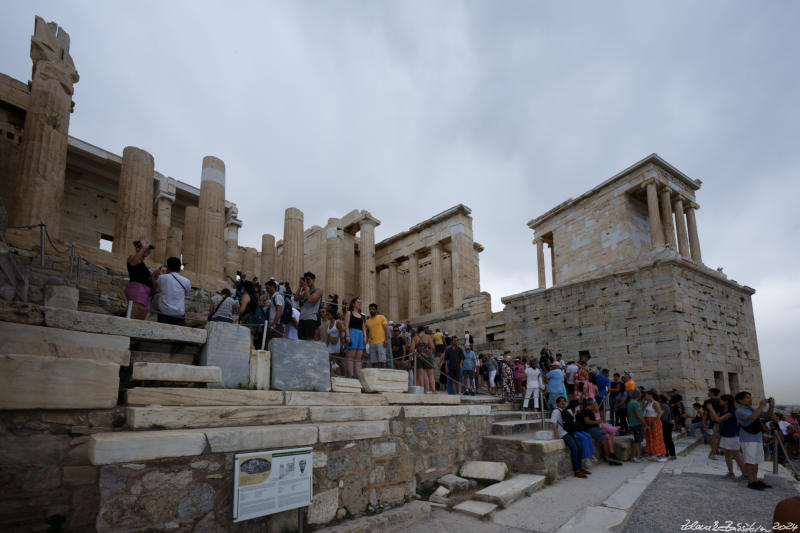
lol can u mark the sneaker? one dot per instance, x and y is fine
(585, 472)
(741, 478)
(673, 458)
(729, 475)
(713, 457)
(637, 460)
(581, 474)
(754, 486)
(661, 460)
(763, 485)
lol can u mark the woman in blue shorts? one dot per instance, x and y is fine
(354, 336)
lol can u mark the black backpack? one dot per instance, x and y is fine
(568, 422)
(286, 315)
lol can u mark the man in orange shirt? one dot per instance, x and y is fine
(378, 333)
(628, 379)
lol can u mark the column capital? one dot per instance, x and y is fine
(691, 205)
(167, 187)
(232, 221)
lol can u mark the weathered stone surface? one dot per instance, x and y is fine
(260, 438)
(299, 366)
(80, 475)
(440, 495)
(13, 331)
(32, 382)
(507, 492)
(623, 447)
(484, 470)
(393, 495)
(65, 351)
(260, 366)
(430, 411)
(114, 325)
(323, 507)
(383, 380)
(208, 417)
(186, 396)
(454, 483)
(61, 296)
(227, 347)
(125, 447)
(345, 385)
(421, 399)
(339, 414)
(21, 312)
(333, 398)
(353, 430)
(475, 508)
(173, 372)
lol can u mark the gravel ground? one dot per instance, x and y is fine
(672, 500)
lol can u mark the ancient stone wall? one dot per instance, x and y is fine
(672, 324)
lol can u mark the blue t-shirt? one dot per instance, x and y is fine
(469, 360)
(729, 427)
(602, 385)
(742, 414)
(555, 381)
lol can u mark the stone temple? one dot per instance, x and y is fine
(112, 424)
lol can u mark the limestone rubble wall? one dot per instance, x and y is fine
(671, 324)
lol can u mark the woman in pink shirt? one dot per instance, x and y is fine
(589, 389)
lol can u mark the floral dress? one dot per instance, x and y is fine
(508, 382)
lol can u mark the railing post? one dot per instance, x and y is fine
(42, 229)
(78, 272)
(775, 447)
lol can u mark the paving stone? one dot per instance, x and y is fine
(440, 495)
(323, 507)
(228, 348)
(333, 398)
(594, 519)
(345, 385)
(33, 382)
(216, 416)
(334, 432)
(260, 368)
(475, 508)
(484, 470)
(421, 399)
(507, 492)
(627, 494)
(187, 396)
(173, 372)
(261, 438)
(454, 483)
(126, 447)
(383, 380)
(329, 413)
(299, 366)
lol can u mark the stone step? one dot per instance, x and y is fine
(476, 508)
(509, 427)
(198, 397)
(114, 325)
(345, 385)
(484, 470)
(34, 382)
(22, 339)
(330, 413)
(161, 357)
(383, 380)
(158, 417)
(527, 454)
(333, 398)
(421, 399)
(507, 492)
(165, 347)
(174, 372)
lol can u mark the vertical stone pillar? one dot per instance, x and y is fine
(189, 238)
(436, 278)
(267, 257)
(394, 296)
(666, 219)
(334, 262)
(413, 285)
(656, 229)
(367, 261)
(134, 201)
(233, 257)
(540, 263)
(553, 262)
(694, 240)
(462, 267)
(293, 246)
(172, 248)
(680, 226)
(210, 245)
(249, 263)
(280, 274)
(165, 197)
(39, 185)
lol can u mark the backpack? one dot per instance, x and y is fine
(568, 422)
(666, 414)
(286, 315)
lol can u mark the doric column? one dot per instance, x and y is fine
(334, 262)
(553, 263)
(436, 278)
(249, 265)
(366, 260)
(189, 238)
(134, 200)
(40, 182)
(394, 296)
(680, 226)
(540, 263)
(413, 285)
(293, 246)
(233, 257)
(267, 257)
(165, 197)
(280, 272)
(666, 218)
(694, 240)
(461, 266)
(656, 229)
(210, 243)
(172, 247)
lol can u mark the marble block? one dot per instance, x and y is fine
(228, 347)
(299, 366)
(345, 385)
(383, 380)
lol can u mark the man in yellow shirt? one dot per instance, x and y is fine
(438, 341)
(378, 337)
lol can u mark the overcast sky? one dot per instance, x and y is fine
(407, 108)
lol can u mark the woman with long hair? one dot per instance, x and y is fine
(249, 315)
(653, 434)
(354, 335)
(422, 347)
(334, 338)
(729, 431)
(141, 279)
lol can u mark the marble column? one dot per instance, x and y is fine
(134, 214)
(267, 257)
(694, 240)
(165, 197)
(189, 238)
(462, 267)
(279, 262)
(680, 226)
(656, 229)
(413, 285)
(172, 247)
(39, 185)
(553, 262)
(210, 244)
(233, 260)
(540, 263)
(394, 296)
(366, 260)
(666, 218)
(293, 246)
(436, 278)
(334, 262)
(249, 263)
